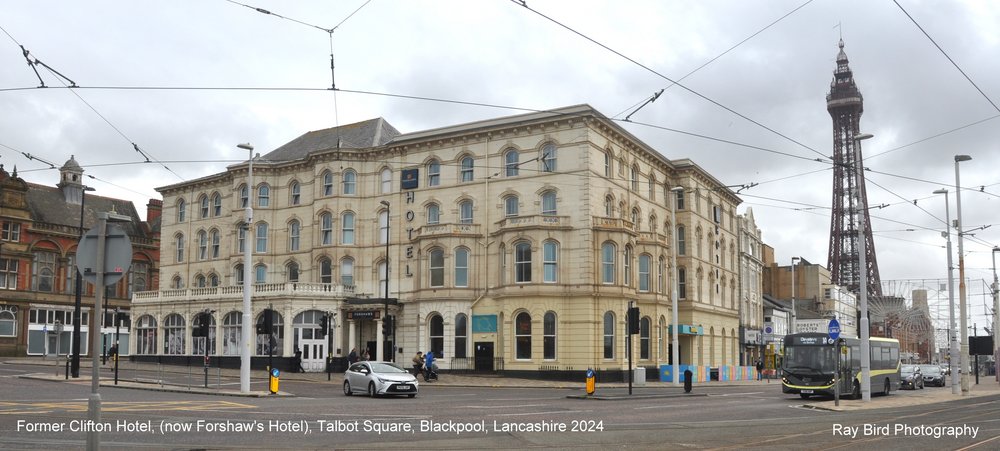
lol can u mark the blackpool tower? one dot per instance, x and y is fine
(845, 105)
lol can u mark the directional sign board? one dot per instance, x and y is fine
(117, 254)
(834, 329)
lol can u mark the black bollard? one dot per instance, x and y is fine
(687, 381)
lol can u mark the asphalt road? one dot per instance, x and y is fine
(38, 414)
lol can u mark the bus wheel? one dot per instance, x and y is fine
(856, 391)
(804, 395)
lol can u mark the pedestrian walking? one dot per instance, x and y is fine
(418, 363)
(353, 356)
(760, 368)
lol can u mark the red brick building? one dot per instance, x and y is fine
(40, 227)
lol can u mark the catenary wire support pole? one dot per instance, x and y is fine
(996, 317)
(75, 363)
(861, 211)
(247, 330)
(675, 345)
(962, 303)
(795, 261)
(952, 335)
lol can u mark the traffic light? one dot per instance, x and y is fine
(389, 325)
(266, 323)
(202, 328)
(633, 320)
(324, 323)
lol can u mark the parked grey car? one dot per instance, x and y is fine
(378, 379)
(932, 375)
(910, 377)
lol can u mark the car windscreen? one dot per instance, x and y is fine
(387, 368)
(930, 369)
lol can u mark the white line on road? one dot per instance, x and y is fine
(574, 412)
(502, 407)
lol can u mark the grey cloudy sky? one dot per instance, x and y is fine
(499, 52)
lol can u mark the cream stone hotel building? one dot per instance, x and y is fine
(514, 244)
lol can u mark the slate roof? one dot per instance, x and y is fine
(360, 135)
(47, 205)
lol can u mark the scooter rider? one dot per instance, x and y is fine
(429, 366)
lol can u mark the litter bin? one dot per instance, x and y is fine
(639, 376)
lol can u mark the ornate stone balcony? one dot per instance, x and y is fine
(533, 222)
(258, 291)
(439, 230)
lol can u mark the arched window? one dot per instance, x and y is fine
(203, 206)
(608, 163)
(681, 283)
(232, 330)
(466, 168)
(244, 196)
(326, 229)
(550, 262)
(327, 177)
(679, 197)
(436, 335)
(652, 189)
(461, 335)
(502, 251)
(549, 336)
(661, 279)
(261, 236)
(241, 237)
(511, 163)
(433, 214)
(609, 207)
(635, 218)
(627, 261)
(548, 158)
(199, 281)
(181, 210)
(437, 267)
(294, 235)
(347, 272)
(202, 245)
(549, 203)
(522, 335)
(386, 181)
(277, 335)
(145, 329)
(347, 228)
(465, 212)
(461, 267)
(350, 182)
(644, 267)
(213, 280)
(644, 338)
(216, 241)
(681, 244)
(522, 262)
(179, 247)
(609, 335)
(198, 344)
(608, 263)
(510, 206)
(260, 273)
(433, 173)
(292, 269)
(295, 193)
(383, 226)
(173, 334)
(176, 283)
(635, 178)
(263, 196)
(216, 204)
(325, 270)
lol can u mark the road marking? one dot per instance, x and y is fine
(574, 412)
(502, 407)
(39, 407)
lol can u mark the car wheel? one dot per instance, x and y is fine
(347, 389)
(371, 390)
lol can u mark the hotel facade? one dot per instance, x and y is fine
(515, 244)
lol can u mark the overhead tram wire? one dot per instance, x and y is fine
(953, 63)
(706, 63)
(934, 136)
(653, 71)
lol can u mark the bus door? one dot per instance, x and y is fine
(846, 376)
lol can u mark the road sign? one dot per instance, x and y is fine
(834, 329)
(117, 254)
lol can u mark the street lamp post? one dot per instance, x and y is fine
(794, 261)
(952, 337)
(996, 317)
(861, 208)
(247, 331)
(962, 307)
(392, 354)
(75, 362)
(675, 353)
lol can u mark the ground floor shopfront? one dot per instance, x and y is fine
(46, 329)
(558, 336)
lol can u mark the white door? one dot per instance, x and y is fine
(313, 349)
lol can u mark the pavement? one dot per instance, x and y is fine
(53, 370)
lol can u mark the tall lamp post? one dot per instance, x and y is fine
(247, 331)
(952, 338)
(795, 260)
(75, 363)
(962, 307)
(675, 353)
(385, 203)
(996, 317)
(861, 209)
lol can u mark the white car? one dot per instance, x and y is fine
(378, 379)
